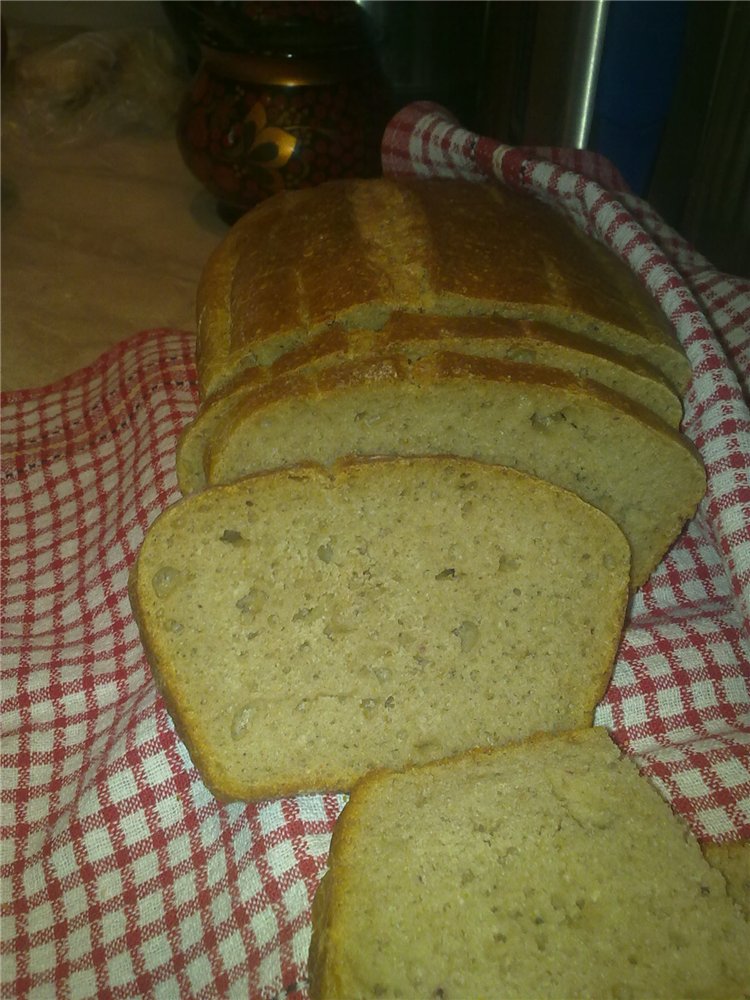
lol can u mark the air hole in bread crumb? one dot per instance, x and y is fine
(232, 537)
(325, 552)
(241, 720)
(252, 601)
(468, 635)
(544, 421)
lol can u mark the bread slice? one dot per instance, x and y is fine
(545, 870)
(415, 336)
(308, 625)
(615, 455)
(355, 251)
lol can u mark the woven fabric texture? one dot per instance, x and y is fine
(121, 876)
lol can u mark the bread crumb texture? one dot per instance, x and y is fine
(307, 625)
(416, 336)
(545, 870)
(623, 460)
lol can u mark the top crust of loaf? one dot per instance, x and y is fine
(545, 869)
(355, 251)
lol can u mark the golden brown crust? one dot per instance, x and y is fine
(317, 962)
(525, 252)
(418, 333)
(403, 326)
(357, 250)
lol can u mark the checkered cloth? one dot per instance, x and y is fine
(121, 876)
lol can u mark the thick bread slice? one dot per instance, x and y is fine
(308, 625)
(546, 870)
(574, 433)
(416, 335)
(354, 251)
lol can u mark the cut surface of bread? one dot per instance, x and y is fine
(733, 861)
(416, 335)
(571, 432)
(355, 251)
(545, 870)
(307, 625)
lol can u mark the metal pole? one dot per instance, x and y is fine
(587, 55)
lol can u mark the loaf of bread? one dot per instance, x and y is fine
(545, 870)
(309, 624)
(615, 455)
(355, 251)
(417, 335)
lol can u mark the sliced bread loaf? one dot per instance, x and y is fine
(574, 433)
(354, 251)
(307, 625)
(416, 335)
(546, 870)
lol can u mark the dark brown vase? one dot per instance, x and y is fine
(287, 95)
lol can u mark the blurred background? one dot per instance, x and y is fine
(661, 88)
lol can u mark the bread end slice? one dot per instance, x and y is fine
(545, 869)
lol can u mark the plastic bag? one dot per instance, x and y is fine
(92, 85)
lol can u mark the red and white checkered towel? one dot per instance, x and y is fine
(121, 876)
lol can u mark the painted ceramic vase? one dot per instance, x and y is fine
(287, 95)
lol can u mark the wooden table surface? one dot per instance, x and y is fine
(100, 240)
